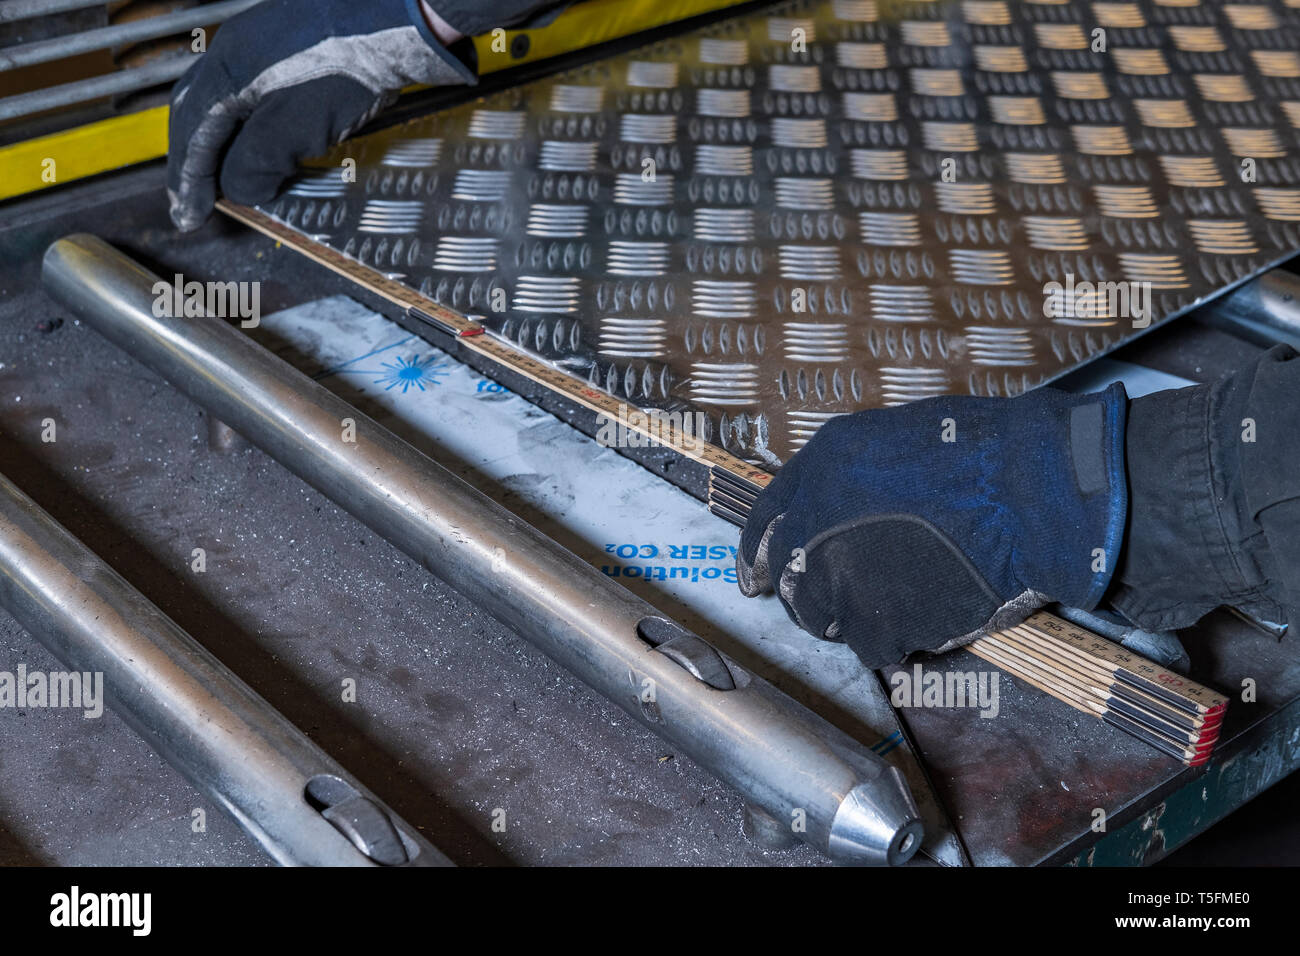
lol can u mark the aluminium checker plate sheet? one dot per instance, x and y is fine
(839, 204)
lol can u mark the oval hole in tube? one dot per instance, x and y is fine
(687, 649)
(365, 823)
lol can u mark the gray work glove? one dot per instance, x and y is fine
(284, 81)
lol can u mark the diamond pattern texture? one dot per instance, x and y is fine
(841, 204)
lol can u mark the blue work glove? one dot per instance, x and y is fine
(925, 526)
(284, 81)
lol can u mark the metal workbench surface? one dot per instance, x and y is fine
(456, 716)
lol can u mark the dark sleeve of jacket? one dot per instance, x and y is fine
(1214, 499)
(473, 17)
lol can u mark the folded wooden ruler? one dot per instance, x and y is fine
(1172, 713)
(1175, 715)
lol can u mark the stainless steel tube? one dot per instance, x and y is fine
(121, 34)
(26, 9)
(296, 802)
(1271, 300)
(82, 91)
(805, 774)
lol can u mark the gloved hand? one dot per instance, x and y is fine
(284, 81)
(925, 526)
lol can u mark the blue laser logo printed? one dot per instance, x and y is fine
(404, 373)
(411, 373)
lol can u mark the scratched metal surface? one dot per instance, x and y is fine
(800, 154)
(1025, 788)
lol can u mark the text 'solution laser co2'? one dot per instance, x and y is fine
(784, 759)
